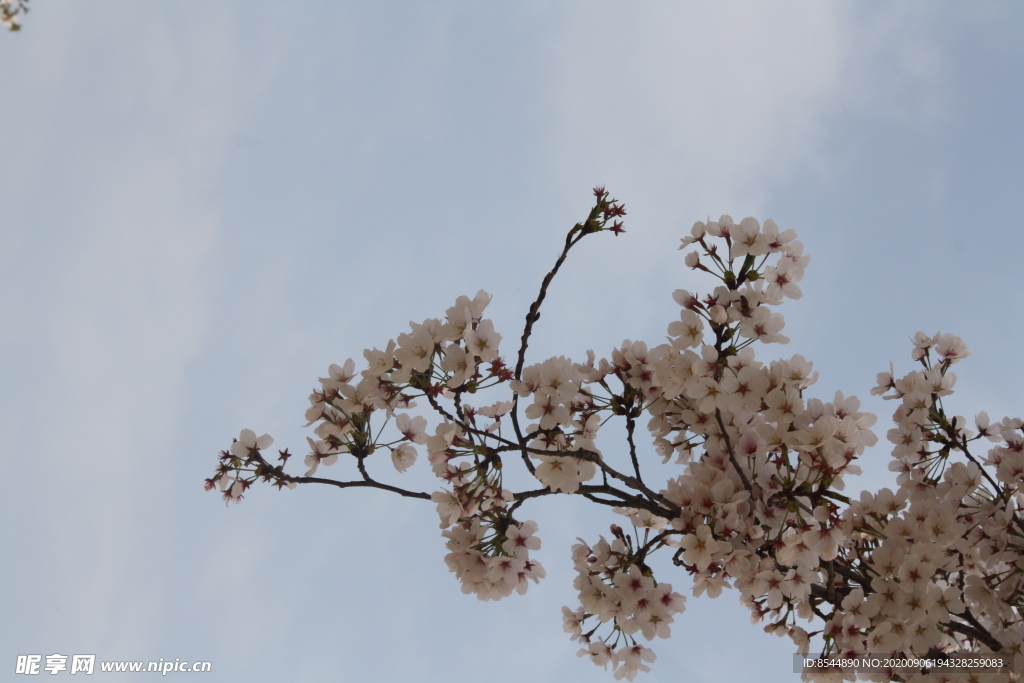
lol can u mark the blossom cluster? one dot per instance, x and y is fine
(751, 472)
(493, 575)
(567, 422)
(616, 588)
(10, 13)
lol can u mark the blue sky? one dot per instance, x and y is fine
(204, 205)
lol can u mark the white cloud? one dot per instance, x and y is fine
(698, 100)
(126, 255)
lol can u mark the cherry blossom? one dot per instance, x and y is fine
(248, 442)
(740, 481)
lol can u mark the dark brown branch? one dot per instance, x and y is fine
(277, 472)
(977, 632)
(625, 499)
(595, 457)
(437, 406)
(582, 454)
(732, 454)
(996, 489)
(630, 426)
(972, 629)
(632, 482)
(601, 501)
(519, 435)
(369, 483)
(840, 567)
(533, 315)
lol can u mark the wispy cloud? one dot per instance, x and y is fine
(126, 305)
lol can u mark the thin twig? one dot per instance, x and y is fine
(732, 455)
(625, 499)
(370, 483)
(630, 426)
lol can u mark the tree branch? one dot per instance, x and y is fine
(624, 499)
(630, 426)
(368, 483)
(977, 631)
(277, 472)
(732, 455)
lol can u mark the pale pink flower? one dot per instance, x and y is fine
(688, 330)
(572, 622)
(449, 509)
(458, 362)
(630, 660)
(950, 347)
(496, 410)
(380, 362)
(403, 457)
(600, 653)
(696, 233)
(521, 539)
(412, 428)
(322, 454)
(248, 442)
(700, 547)
(777, 241)
(782, 279)
(415, 351)
(747, 239)
(483, 341)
